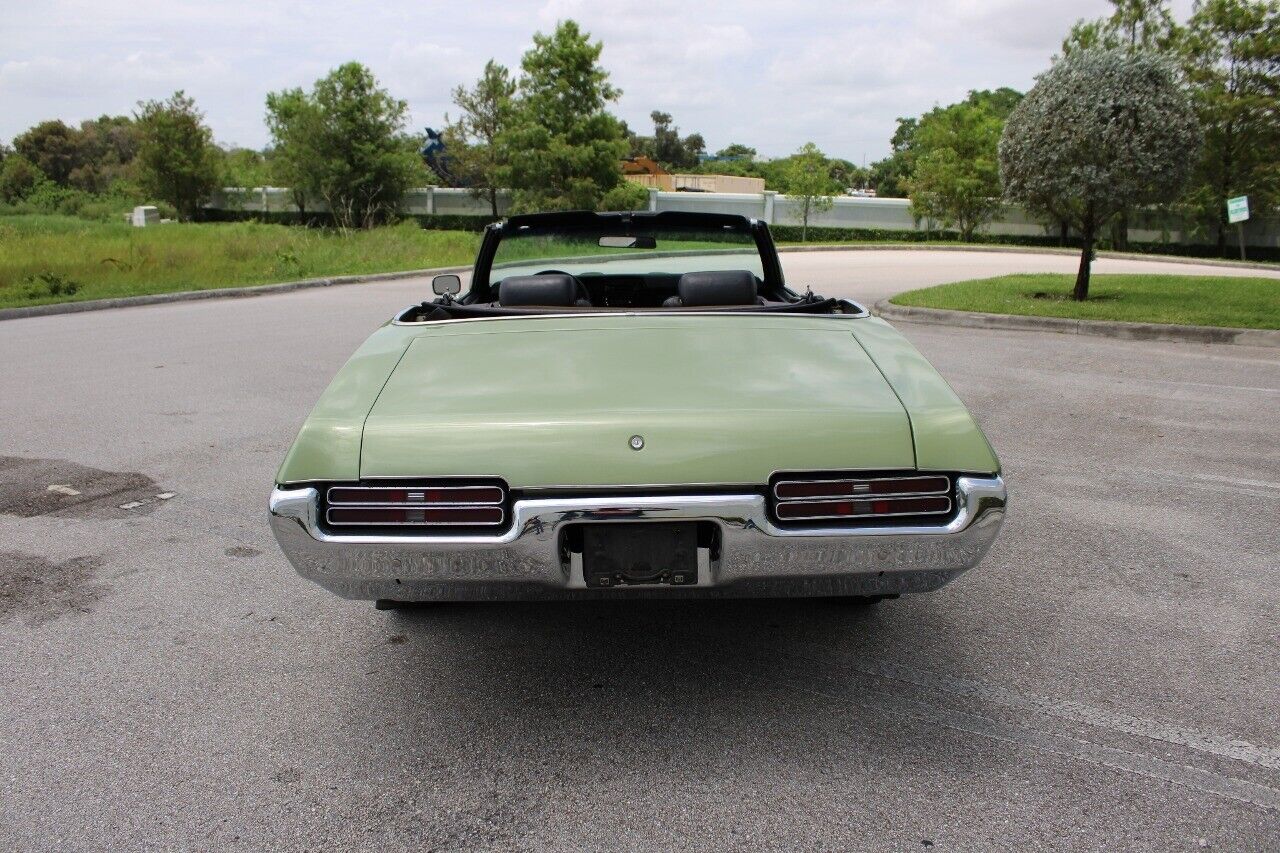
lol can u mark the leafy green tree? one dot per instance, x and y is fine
(667, 146)
(737, 151)
(1231, 59)
(52, 147)
(244, 167)
(177, 160)
(108, 146)
(1132, 25)
(1100, 132)
(296, 159)
(472, 139)
(890, 175)
(345, 142)
(956, 179)
(18, 178)
(807, 181)
(562, 148)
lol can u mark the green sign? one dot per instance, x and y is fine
(1238, 209)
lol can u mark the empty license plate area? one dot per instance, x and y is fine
(642, 553)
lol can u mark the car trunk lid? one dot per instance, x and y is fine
(712, 400)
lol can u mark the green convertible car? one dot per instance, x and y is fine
(635, 404)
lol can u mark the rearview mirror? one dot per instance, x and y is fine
(623, 242)
(448, 283)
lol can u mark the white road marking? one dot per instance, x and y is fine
(132, 504)
(164, 496)
(1068, 747)
(1225, 746)
(63, 489)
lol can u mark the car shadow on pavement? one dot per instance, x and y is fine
(654, 680)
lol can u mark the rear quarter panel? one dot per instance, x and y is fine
(946, 436)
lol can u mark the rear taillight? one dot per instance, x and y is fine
(427, 505)
(865, 497)
(859, 487)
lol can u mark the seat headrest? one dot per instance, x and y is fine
(538, 290)
(721, 287)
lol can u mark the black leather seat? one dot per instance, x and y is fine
(552, 290)
(717, 287)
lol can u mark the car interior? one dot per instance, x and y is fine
(553, 288)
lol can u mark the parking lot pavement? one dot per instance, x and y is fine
(1107, 678)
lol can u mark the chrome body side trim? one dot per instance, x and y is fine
(754, 556)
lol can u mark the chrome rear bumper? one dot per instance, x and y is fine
(756, 557)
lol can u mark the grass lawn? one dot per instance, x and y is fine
(46, 259)
(1195, 300)
(60, 258)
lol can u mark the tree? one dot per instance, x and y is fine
(1101, 131)
(296, 160)
(891, 174)
(666, 145)
(562, 148)
(244, 167)
(1132, 25)
(1231, 58)
(486, 110)
(177, 160)
(737, 151)
(807, 180)
(345, 142)
(52, 147)
(956, 178)
(108, 146)
(18, 177)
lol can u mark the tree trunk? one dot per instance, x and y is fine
(1120, 232)
(1081, 291)
(493, 200)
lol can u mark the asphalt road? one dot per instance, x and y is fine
(1109, 678)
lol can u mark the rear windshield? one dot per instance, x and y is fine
(582, 252)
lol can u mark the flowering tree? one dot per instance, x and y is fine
(1100, 132)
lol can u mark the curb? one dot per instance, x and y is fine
(1099, 328)
(1031, 250)
(214, 293)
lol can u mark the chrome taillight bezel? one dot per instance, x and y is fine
(862, 497)
(437, 503)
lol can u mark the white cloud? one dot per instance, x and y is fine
(769, 74)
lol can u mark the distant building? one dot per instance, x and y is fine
(649, 173)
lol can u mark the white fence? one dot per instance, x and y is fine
(769, 206)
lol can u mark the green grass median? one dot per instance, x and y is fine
(46, 259)
(1190, 300)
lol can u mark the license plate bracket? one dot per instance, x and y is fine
(645, 553)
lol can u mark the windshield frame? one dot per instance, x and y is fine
(593, 224)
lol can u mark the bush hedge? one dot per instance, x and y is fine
(784, 234)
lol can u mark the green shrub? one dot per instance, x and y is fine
(18, 178)
(627, 195)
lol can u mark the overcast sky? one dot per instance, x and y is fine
(770, 74)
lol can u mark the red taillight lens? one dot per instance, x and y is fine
(425, 495)
(859, 487)
(487, 515)
(807, 510)
(452, 503)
